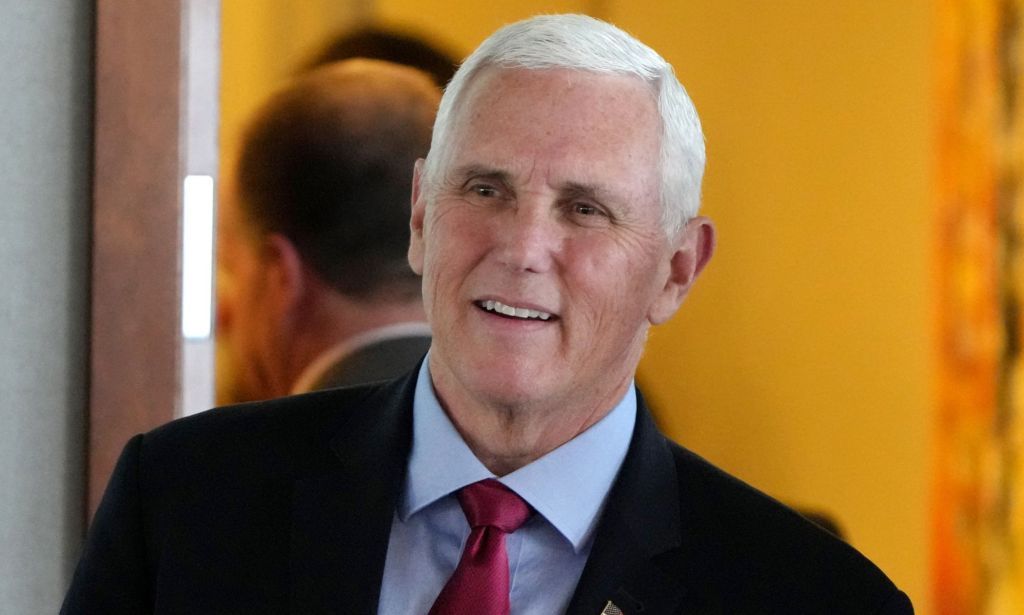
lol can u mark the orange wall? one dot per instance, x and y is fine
(262, 43)
(800, 363)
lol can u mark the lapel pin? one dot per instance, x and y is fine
(611, 609)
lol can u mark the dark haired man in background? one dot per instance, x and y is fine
(314, 287)
(391, 46)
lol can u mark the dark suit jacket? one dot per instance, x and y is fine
(381, 360)
(285, 506)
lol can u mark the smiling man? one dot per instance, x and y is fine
(543, 255)
(517, 470)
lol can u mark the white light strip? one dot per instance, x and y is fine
(197, 257)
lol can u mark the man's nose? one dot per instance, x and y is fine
(530, 238)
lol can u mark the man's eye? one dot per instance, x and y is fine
(586, 210)
(484, 191)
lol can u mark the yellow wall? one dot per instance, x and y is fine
(262, 43)
(800, 363)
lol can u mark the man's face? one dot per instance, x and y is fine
(543, 258)
(244, 335)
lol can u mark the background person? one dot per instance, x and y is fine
(314, 288)
(391, 46)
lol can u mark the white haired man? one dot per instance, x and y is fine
(517, 470)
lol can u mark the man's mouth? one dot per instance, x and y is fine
(511, 311)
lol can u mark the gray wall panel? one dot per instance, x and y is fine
(45, 165)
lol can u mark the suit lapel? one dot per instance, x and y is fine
(341, 518)
(640, 525)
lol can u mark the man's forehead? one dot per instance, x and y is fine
(541, 102)
(583, 131)
(513, 78)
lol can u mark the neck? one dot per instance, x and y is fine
(333, 319)
(508, 436)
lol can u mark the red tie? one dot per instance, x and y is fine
(480, 584)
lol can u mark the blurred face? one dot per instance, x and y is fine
(244, 339)
(543, 258)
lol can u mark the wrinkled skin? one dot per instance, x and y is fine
(549, 201)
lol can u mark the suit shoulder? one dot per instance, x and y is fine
(294, 411)
(745, 534)
(272, 436)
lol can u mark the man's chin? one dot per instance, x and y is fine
(523, 392)
(230, 385)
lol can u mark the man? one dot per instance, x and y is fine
(517, 471)
(315, 289)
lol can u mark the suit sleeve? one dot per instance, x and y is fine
(112, 575)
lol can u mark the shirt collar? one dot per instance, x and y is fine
(568, 486)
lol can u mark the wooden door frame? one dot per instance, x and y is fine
(135, 295)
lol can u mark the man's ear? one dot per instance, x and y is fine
(694, 246)
(419, 210)
(285, 274)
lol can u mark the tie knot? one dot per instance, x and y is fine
(489, 503)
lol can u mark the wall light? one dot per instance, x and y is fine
(197, 257)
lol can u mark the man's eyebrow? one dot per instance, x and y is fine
(570, 189)
(479, 171)
(589, 191)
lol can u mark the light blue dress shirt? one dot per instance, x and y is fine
(567, 487)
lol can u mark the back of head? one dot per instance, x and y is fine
(389, 45)
(327, 162)
(579, 42)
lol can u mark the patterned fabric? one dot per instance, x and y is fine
(978, 512)
(480, 583)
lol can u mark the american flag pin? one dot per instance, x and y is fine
(611, 609)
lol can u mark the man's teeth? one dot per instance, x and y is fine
(517, 312)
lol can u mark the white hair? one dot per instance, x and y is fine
(579, 42)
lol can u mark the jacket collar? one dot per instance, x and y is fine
(332, 520)
(641, 522)
(640, 525)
